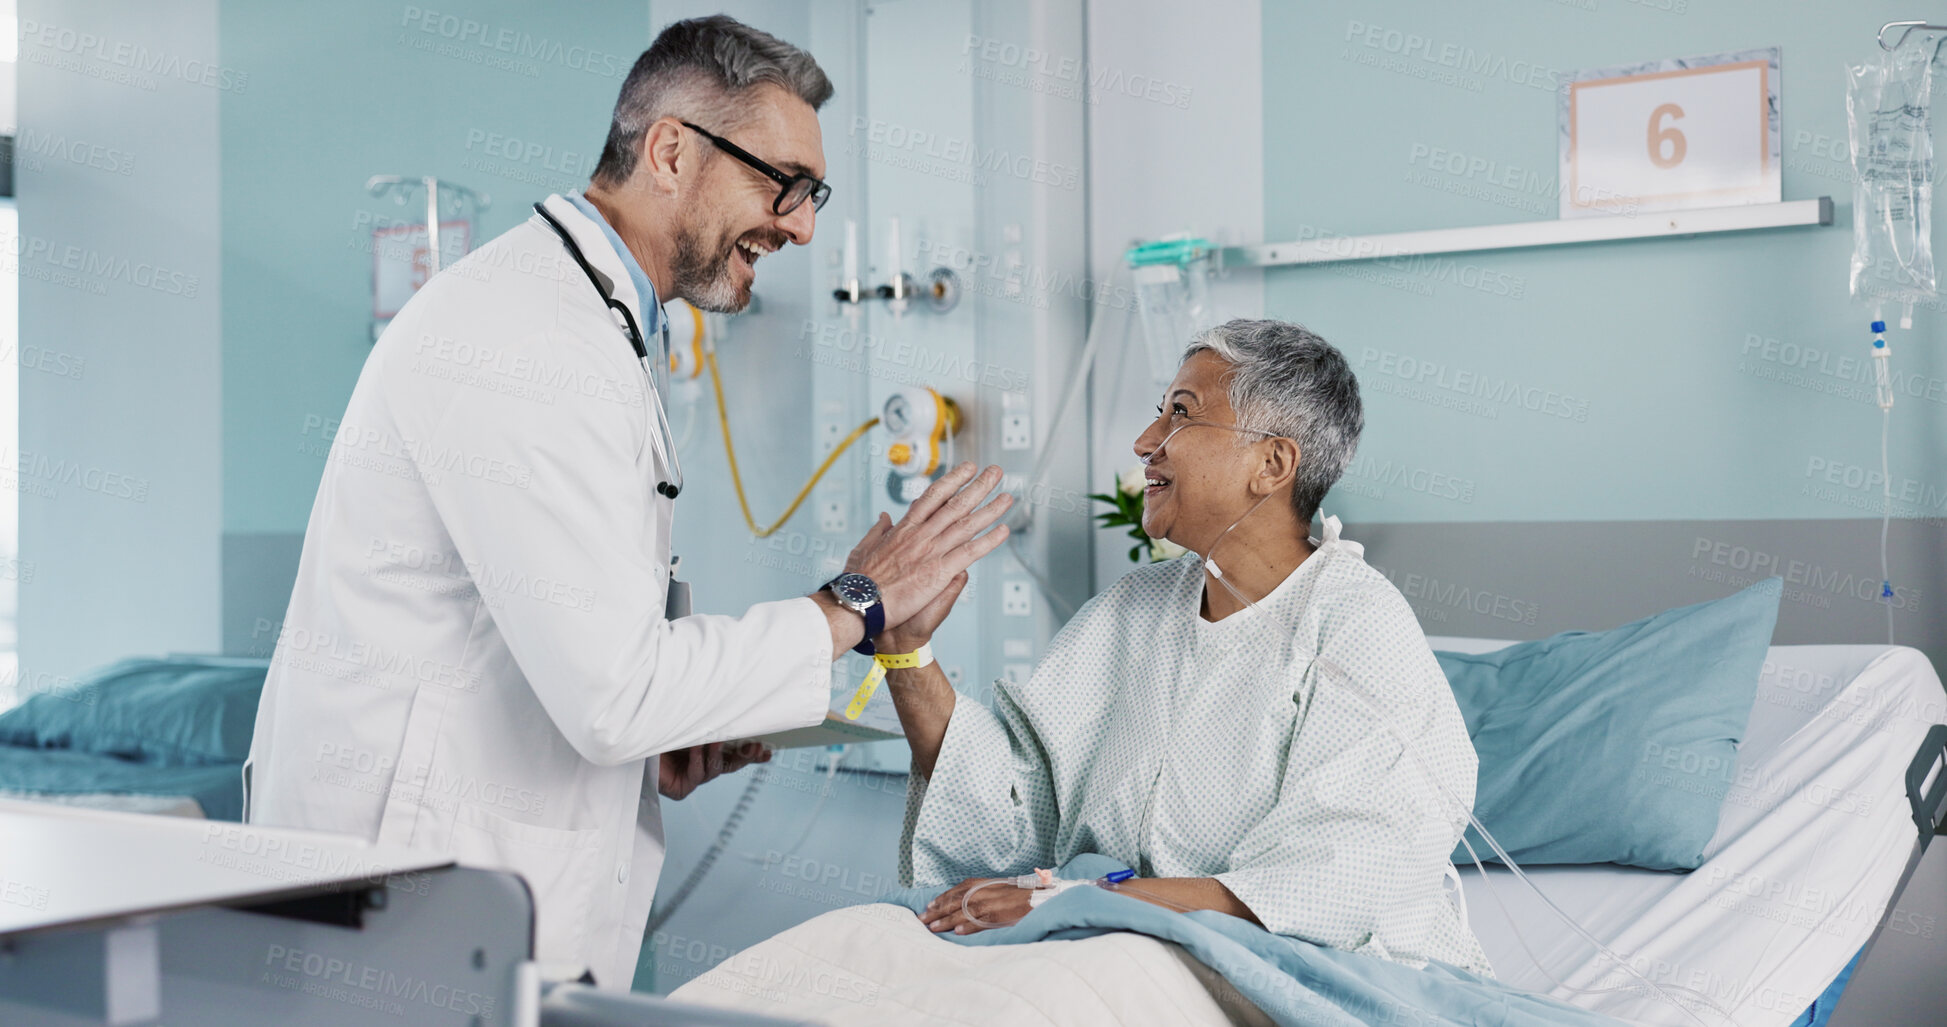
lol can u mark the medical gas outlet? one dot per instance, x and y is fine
(922, 423)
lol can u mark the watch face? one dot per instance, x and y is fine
(855, 590)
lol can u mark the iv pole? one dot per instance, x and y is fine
(380, 185)
(1905, 28)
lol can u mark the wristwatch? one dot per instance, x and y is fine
(860, 594)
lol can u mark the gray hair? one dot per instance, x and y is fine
(703, 70)
(1286, 381)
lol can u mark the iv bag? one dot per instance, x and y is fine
(1888, 119)
(1173, 303)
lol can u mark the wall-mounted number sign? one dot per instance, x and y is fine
(1670, 135)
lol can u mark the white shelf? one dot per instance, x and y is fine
(1331, 249)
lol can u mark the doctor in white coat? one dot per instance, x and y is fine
(478, 657)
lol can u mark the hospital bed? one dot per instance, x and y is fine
(164, 735)
(1839, 787)
(91, 781)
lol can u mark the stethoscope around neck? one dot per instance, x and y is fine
(633, 331)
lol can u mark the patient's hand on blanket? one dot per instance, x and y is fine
(1000, 905)
(1003, 904)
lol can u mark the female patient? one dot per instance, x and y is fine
(1234, 757)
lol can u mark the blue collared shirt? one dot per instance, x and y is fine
(645, 290)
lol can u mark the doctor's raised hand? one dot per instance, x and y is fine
(921, 693)
(918, 564)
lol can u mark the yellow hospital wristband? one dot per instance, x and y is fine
(881, 663)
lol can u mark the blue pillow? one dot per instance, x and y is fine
(174, 712)
(1614, 746)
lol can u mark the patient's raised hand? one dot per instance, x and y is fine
(996, 906)
(918, 629)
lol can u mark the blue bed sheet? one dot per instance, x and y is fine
(1292, 981)
(217, 787)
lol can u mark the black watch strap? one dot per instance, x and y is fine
(875, 622)
(875, 617)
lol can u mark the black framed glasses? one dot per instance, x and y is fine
(792, 190)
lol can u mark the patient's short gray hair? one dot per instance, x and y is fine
(1286, 381)
(703, 70)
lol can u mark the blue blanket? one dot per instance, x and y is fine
(1292, 981)
(217, 787)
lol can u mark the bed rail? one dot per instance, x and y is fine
(1926, 784)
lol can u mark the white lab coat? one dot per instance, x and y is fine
(476, 657)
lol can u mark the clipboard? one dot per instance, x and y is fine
(835, 730)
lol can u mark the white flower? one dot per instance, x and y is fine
(1132, 481)
(1161, 549)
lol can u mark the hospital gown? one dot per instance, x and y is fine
(1186, 748)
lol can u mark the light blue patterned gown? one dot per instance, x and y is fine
(1185, 748)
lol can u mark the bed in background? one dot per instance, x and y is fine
(149, 735)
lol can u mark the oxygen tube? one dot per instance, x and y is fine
(1044, 885)
(1167, 285)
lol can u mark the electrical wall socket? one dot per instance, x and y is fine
(1016, 599)
(1017, 673)
(831, 516)
(953, 674)
(1016, 433)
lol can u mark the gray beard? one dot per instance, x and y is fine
(708, 282)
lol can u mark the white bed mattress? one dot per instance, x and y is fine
(160, 805)
(1814, 835)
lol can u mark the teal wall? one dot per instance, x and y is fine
(343, 91)
(1688, 411)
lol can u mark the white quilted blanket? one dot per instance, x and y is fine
(866, 965)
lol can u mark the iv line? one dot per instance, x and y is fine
(1326, 665)
(1026, 881)
(1885, 518)
(736, 477)
(682, 893)
(1883, 394)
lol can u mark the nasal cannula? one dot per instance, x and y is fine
(1045, 886)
